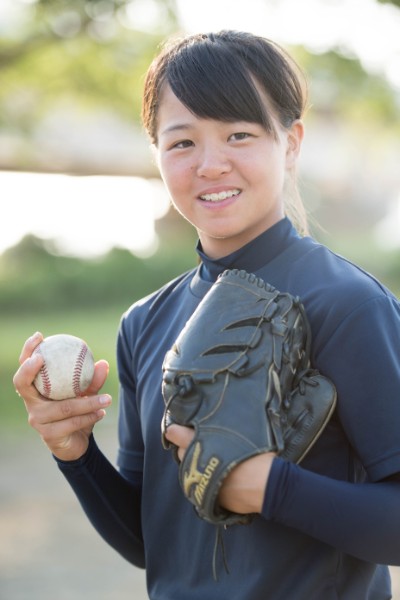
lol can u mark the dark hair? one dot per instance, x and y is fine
(214, 75)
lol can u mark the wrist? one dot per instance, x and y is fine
(243, 491)
(74, 456)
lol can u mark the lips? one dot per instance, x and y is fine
(219, 196)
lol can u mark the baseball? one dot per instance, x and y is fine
(68, 367)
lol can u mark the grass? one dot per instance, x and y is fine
(98, 328)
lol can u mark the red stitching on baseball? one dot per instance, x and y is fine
(76, 379)
(46, 382)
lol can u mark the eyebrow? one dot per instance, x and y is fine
(177, 127)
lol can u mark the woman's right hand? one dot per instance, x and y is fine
(64, 425)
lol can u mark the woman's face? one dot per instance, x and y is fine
(227, 179)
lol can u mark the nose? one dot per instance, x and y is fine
(213, 162)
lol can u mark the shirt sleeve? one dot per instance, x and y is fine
(111, 502)
(131, 447)
(362, 358)
(360, 519)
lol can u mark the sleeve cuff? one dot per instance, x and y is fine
(277, 483)
(81, 461)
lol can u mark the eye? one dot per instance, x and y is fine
(241, 135)
(181, 144)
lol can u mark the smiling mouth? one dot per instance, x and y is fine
(217, 197)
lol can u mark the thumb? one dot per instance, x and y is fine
(179, 435)
(101, 369)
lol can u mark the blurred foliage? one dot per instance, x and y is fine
(339, 84)
(90, 52)
(33, 278)
(394, 2)
(95, 52)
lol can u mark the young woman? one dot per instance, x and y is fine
(223, 112)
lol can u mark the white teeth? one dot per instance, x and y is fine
(220, 196)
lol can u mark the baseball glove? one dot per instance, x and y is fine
(239, 374)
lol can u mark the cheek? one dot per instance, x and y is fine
(265, 169)
(175, 176)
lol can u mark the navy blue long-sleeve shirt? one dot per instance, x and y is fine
(327, 526)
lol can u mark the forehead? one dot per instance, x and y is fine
(172, 113)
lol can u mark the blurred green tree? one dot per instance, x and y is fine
(115, 279)
(394, 2)
(340, 85)
(93, 52)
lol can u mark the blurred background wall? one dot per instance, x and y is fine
(86, 227)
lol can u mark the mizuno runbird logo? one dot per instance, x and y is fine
(196, 478)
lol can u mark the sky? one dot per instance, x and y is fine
(63, 207)
(368, 29)
(87, 216)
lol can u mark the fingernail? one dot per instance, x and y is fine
(105, 400)
(35, 336)
(101, 413)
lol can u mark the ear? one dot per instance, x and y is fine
(295, 136)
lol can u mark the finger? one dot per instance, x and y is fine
(57, 432)
(101, 369)
(24, 377)
(30, 345)
(47, 412)
(179, 435)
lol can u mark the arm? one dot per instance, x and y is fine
(361, 519)
(111, 503)
(65, 426)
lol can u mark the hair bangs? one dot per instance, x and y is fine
(213, 83)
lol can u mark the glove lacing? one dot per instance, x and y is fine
(219, 543)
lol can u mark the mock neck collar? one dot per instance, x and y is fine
(253, 255)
